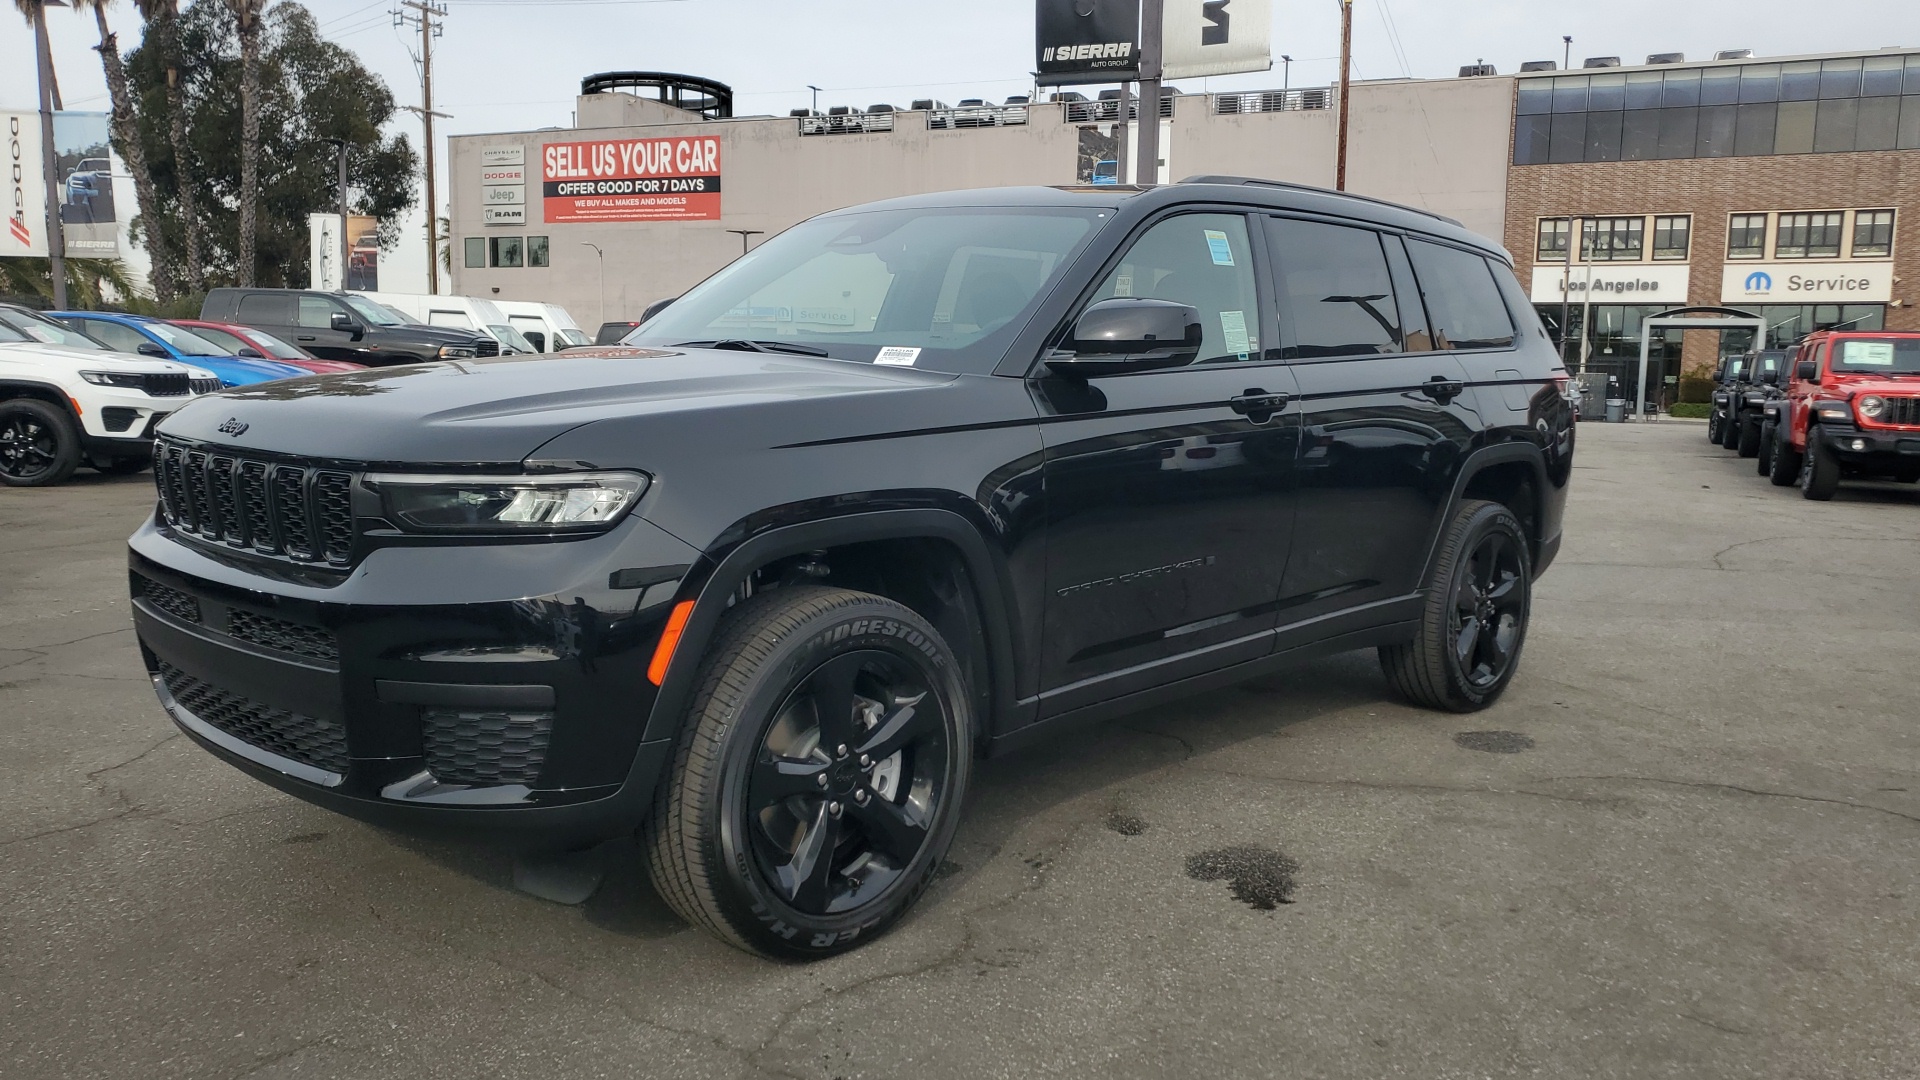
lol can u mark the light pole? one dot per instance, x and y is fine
(602, 256)
(1566, 59)
(1286, 72)
(816, 99)
(345, 244)
(744, 234)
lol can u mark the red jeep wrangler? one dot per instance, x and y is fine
(1852, 410)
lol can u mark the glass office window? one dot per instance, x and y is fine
(1551, 244)
(1808, 236)
(1570, 94)
(1872, 233)
(1753, 130)
(1679, 130)
(1530, 138)
(1568, 141)
(1835, 125)
(1607, 93)
(1603, 135)
(537, 251)
(1879, 124)
(1881, 77)
(1535, 96)
(1680, 88)
(1910, 120)
(1747, 236)
(1716, 137)
(1759, 82)
(476, 247)
(1670, 235)
(1793, 130)
(1720, 86)
(1800, 82)
(506, 251)
(1640, 135)
(1913, 75)
(1643, 89)
(1620, 239)
(1840, 78)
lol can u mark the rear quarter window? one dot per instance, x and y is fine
(1463, 299)
(272, 309)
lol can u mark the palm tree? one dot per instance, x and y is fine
(247, 14)
(91, 283)
(163, 21)
(133, 151)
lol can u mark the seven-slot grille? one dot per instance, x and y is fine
(310, 740)
(1902, 410)
(270, 507)
(486, 346)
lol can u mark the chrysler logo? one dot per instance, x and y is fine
(234, 427)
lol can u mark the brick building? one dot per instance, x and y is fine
(1789, 188)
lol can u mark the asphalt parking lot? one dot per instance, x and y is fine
(1683, 845)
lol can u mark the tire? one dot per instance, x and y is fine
(125, 466)
(39, 445)
(1763, 457)
(1478, 597)
(756, 876)
(1785, 467)
(1747, 444)
(1730, 432)
(1819, 470)
(1713, 427)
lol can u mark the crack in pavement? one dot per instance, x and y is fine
(1710, 785)
(1718, 555)
(97, 773)
(128, 811)
(1409, 786)
(62, 644)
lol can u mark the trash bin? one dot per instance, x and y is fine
(1616, 410)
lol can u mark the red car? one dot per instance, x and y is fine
(246, 341)
(1852, 410)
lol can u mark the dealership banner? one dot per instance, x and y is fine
(1601, 283)
(1087, 41)
(1804, 283)
(671, 179)
(1216, 37)
(84, 168)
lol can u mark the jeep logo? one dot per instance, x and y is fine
(234, 427)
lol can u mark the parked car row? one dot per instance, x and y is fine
(1842, 405)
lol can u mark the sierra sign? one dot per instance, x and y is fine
(671, 179)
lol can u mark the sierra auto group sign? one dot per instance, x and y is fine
(669, 179)
(1806, 283)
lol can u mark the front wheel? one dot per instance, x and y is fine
(39, 445)
(1785, 467)
(1475, 618)
(1819, 470)
(1747, 444)
(1763, 459)
(1713, 427)
(1730, 431)
(819, 780)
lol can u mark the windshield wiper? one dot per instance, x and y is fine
(743, 345)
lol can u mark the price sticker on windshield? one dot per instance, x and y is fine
(1218, 247)
(1867, 353)
(897, 356)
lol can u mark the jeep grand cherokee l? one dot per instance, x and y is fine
(910, 483)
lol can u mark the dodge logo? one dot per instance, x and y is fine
(233, 427)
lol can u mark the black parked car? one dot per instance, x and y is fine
(342, 326)
(1726, 376)
(1758, 384)
(911, 483)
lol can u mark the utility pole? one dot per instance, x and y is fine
(49, 165)
(1152, 18)
(1346, 64)
(424, 16)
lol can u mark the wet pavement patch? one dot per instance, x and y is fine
(305, 838)
(946, 869)
(1125, 824)
(1493, 742)
(1258, 877)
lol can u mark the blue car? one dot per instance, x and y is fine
(164, 341)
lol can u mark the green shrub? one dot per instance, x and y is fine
(1690, 410)
(1695, 389)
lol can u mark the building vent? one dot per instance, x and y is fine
(1539, 65)
(1666, 58)
(1600, 61)
(1469, 71)
(1734, 54)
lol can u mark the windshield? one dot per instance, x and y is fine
(39, 328)
(943, 288)
(376, 314)
(276, 348)
(188, 343)
(575, 337)
(1877, 356)
(511, 338)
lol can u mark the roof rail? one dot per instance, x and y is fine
(1259, 182)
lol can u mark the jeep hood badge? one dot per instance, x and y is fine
(234, 427)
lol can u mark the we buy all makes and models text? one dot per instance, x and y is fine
(632, 180)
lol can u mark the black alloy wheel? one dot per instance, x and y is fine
(38, 445)
(1488, 609)
(1784, 467)
(1819, 469)
(1474, 622)
(820, 777)
(1713, 427)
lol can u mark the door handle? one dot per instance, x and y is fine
(1442, 389)
(1257, 405)
(306, 337)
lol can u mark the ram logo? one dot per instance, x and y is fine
(1759, 281)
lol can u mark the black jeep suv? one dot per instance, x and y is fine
(911, 483)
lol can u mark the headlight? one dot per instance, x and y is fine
(127, 380)
(456, 352)
(1871, 407)
(565, 503)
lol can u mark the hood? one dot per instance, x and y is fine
(498, 410)
(435, 335)
(245, 370)
(1857, 383)
(93, 358)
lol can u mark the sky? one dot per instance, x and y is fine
(511, 65)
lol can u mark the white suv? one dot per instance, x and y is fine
(66, 399)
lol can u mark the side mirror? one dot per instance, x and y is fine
(1806, 371)
(536, 339)
(1770, 377)
(657, 307)
(148, 348)
(347, 324)
(251, 352)
(1125, 334)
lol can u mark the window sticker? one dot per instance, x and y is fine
(1217, 245)
(1867, 353)
(897, 356)
(40, 334)
(1233, 326)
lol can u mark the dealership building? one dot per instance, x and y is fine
(1787, 187)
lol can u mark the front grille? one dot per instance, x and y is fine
(204, 386)
(293, 511)
(486, 347)
(182, 606)
(1902, 410)
(485, 747)
(272, 633)
(309, 740)
(170, 385)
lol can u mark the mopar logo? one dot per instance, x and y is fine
(1759, 281)
(234, 427)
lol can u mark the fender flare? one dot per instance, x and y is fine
(1476, 463)
(988, 577)
(53, 394)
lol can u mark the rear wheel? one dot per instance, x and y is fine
(1713, 427)
(39, 445)
(819, 780)
(1785, 468)
(1747, 442)
(1475, 619)
(1819, 470)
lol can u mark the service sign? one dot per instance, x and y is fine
(1603, 283)
(1806, 283)
(672, 179)
(1087, 41)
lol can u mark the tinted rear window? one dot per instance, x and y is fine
(1334, 280)
(1463, 300)
(272, 309)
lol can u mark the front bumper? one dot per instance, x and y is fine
(496, 690)
(1871, 449)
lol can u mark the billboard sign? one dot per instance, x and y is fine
(84, 166)
(1789, 283)
(1087, 41)
(669, 179)
(1216, 37)
(1600, 283)
(503, 185)
(323, 252)
(25, 200)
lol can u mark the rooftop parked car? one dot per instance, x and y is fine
(909, 483)
(251, 342)
(162, 340)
